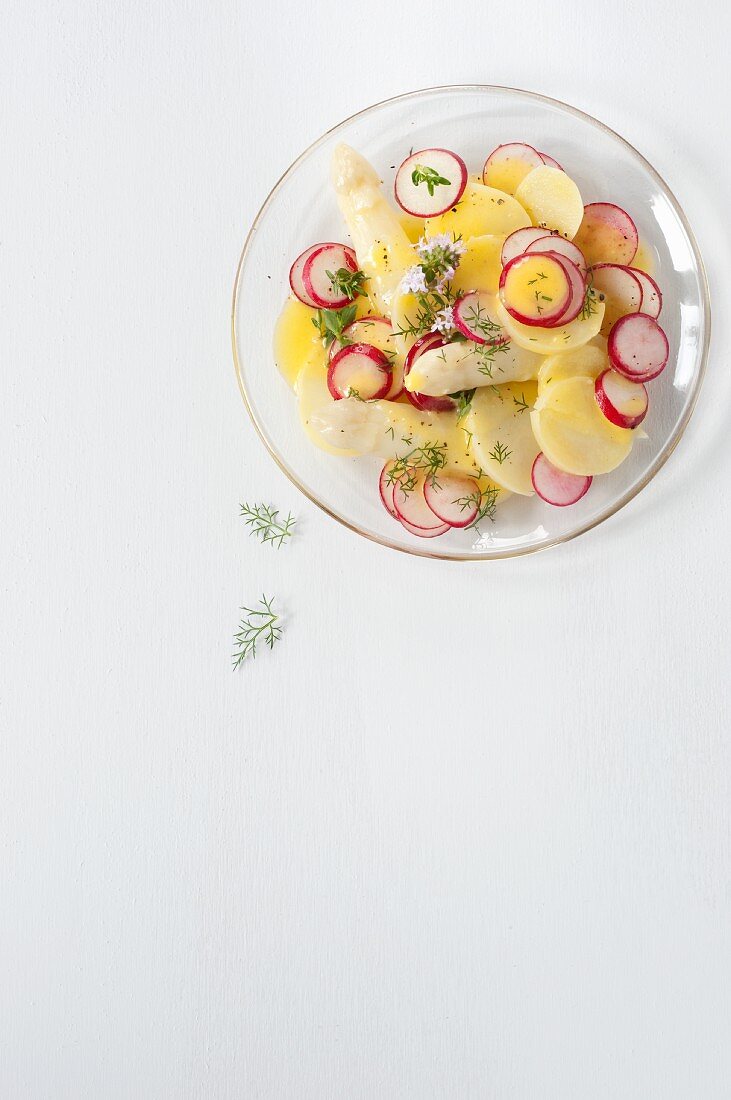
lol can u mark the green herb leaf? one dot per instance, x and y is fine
(264, 522)
(258, 626)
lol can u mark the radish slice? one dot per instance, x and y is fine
(328, 257)
(607, 234)
(412, 508)
(386, 488)
(651, 294)
(535, 290)
(295, 276)
(509, 164)
(519, 241)
(556, 487)
(425, 533)
(375, 331)
(550, 161)
(621, 289)
(453, 499)
(397, 380)
(422, 400)
(471, 317)
(578, 289)
(638, 348)
(359, 370)
(553, 243)
(430, 182)
(622, 401)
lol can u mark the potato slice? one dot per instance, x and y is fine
(549, 341)
(383, 248)
(584, 362)
(481, 210)
(480, 266)
(552, 199)
(573, 433)
(465, 365)
(502, 437)
(296, 340)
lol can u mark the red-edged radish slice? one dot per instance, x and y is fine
(386, 487)
(554, 243)
(622, 401)
(295, 276)
(651, 293)
(509, 164)
(377, 332)
(535, 290)
(359, 370)
(578, 290)
(328, 257)
(471, 317)
(519, 242)
(425, 533)
(550, 161)
(430, 182)
(621, 289)
(638, 348)
(412, 508)
(607, 234)
(555, 486)
(422, 400)
(453, 498)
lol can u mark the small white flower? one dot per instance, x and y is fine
(413, 281)
(428, 244)
(443, 321)
(444, 278)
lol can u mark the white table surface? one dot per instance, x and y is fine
(466, 832)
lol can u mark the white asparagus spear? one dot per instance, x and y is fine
(384, 251)
(464, 366)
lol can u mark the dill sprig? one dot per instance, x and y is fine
(347, 282)
(500, 452)
(589, 307)
(259, 626)
(487, 352)
(424, 461)
(479, 319)
(264, 521)
(485, 500)
(522, 404)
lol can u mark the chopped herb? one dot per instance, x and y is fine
(522, 404)
(423, 174)
(331, 324)
(485, 500)
(464, 402)
(347, 282)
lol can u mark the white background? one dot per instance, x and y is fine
(466, 832)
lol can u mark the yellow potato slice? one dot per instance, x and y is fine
(549, 341)
(480, 266)
(481, 210)
(412, 227)
(552, 199)
(584, 362)
(502, 437)
(573, 433)
(296, 340)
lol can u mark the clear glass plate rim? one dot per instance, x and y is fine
(654, 467)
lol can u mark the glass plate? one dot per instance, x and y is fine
(472, 120)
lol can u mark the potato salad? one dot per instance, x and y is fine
(485, 335)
